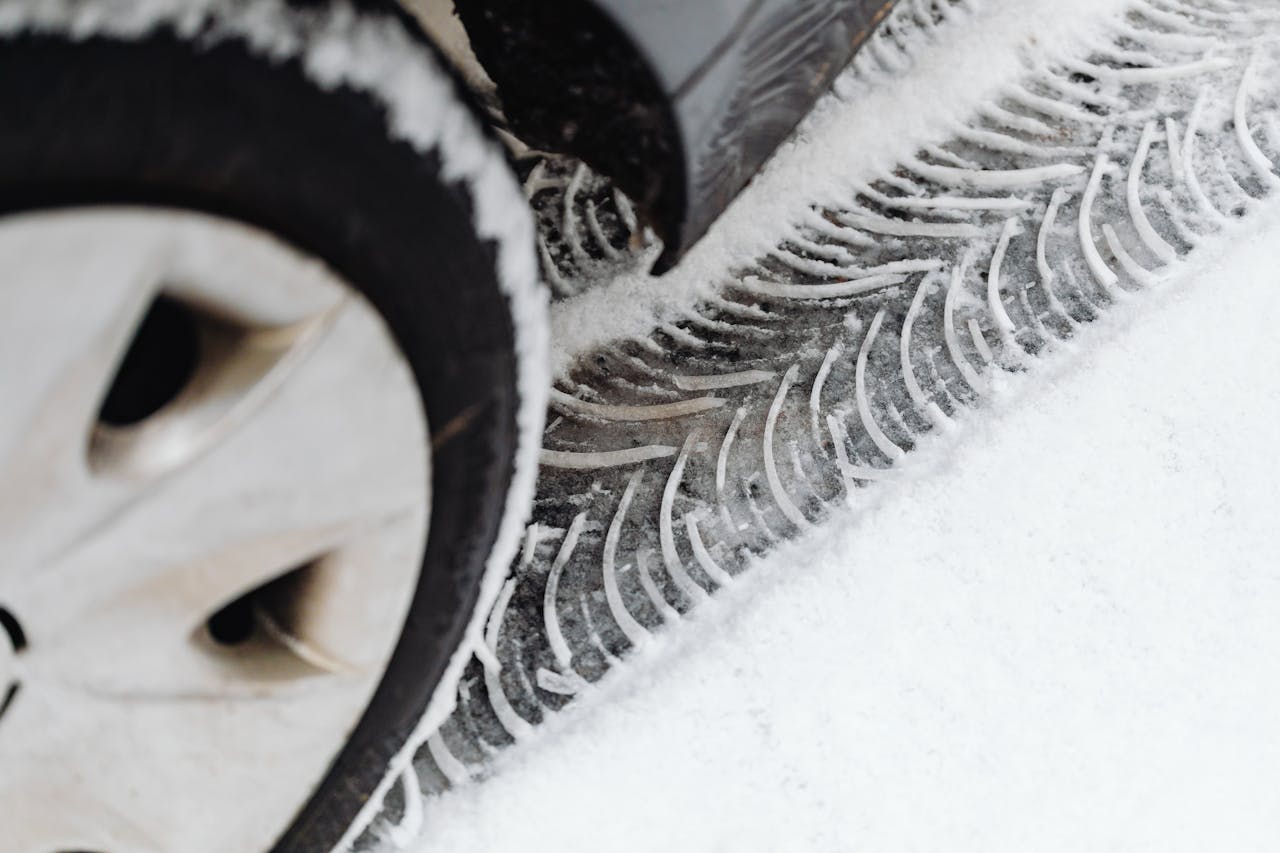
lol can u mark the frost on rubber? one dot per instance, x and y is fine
(811, 373)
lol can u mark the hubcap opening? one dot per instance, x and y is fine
(158, 365)
(294, 626)
(233, 625)
(190, 368)
(253, 617)
(250, 621)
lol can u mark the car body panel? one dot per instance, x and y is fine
(679, 101)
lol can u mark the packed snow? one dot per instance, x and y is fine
(1058, 631)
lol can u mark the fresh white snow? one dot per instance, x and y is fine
(1057, 631)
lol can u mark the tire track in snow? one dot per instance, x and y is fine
(874, 322)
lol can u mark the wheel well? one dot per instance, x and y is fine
(569, 81)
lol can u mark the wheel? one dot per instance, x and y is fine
(272, 356)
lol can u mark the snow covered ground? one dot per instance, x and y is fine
(928, 504)
(1059, 631)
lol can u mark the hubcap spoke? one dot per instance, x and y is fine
(102, 773)
(270, 485)
(69, 303)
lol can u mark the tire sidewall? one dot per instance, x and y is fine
(179, 119)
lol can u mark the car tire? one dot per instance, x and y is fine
(337, 132)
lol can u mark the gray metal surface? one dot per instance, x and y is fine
(681, 37)
(750, 91)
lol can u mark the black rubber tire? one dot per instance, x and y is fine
(209, 125)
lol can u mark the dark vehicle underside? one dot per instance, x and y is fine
(679, 103)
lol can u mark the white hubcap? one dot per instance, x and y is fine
(292, 444)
